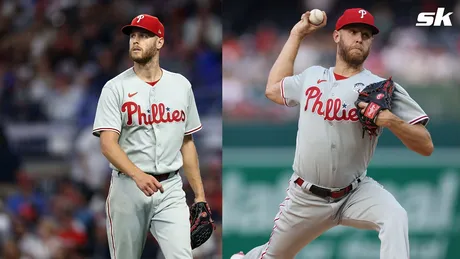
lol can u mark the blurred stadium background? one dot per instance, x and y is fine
(259, 136)
(55, 56)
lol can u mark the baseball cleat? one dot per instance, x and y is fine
(239, 255)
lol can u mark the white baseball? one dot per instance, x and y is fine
(316, 17)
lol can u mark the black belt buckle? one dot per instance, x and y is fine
(321, 192)
(328, 194)
(159, 177)
(165, 176)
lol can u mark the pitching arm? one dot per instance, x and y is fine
(407, 121)
(283, 67)
(415, 137)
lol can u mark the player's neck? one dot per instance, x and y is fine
(344, 69)
(149, 72)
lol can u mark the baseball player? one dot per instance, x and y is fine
(145, 119)
(329, 186)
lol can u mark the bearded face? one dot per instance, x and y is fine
(142, 46)
(353, 55)
(354, 45)
(142, 55)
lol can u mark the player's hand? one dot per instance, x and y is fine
(148, 184)
(304, 27)
(384, 118)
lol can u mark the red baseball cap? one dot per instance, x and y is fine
(147, 22)
(356, 16)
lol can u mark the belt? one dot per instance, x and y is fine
(327, 193)
(160, 177)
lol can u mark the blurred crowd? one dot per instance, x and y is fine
(424, 60)
(55, 57)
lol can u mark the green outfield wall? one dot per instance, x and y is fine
(265, 134)
(255, 180)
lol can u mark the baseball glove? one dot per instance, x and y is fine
(201, 224)
(379, 97)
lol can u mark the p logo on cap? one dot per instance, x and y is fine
(140, 17)
(146, 22)
(356, 16)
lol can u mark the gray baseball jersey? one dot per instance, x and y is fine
(151, 120)
(330, 150)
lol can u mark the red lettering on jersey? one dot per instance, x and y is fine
(332, 109)
(142, 117)
(353, 114)
(131, 109)
(158, 114)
